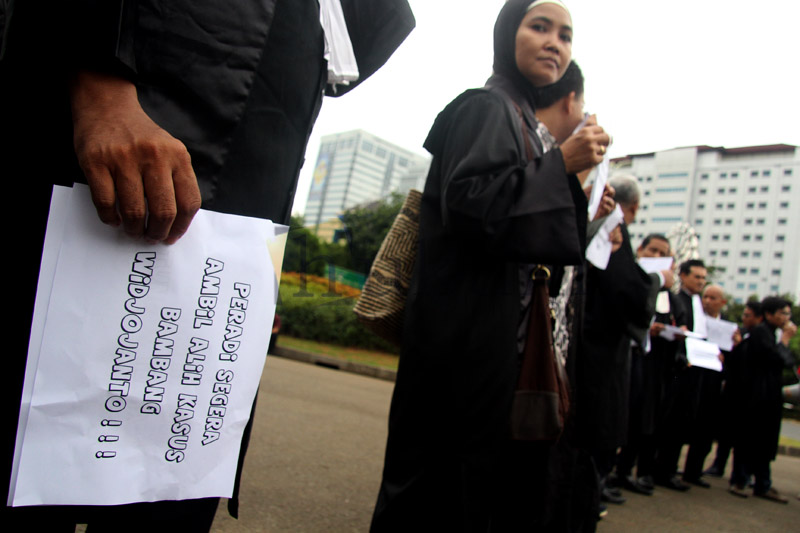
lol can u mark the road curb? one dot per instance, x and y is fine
(391, 375)
(336, 364)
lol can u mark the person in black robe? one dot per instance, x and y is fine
(761, 399)
(132, 90)
(652, 367)
(487, 208)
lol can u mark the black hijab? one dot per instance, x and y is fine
(505, 43)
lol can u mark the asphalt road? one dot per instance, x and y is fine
(317, 450)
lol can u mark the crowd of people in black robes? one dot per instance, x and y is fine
(503, 203)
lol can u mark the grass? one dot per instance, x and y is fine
(786, 441)
(357, 355)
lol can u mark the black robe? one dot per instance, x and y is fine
(620, 302)
(238, 83)
(484, 210)
(759, 392)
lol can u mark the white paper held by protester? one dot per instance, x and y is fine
(720, 332)
(703, 354)
(149, 362)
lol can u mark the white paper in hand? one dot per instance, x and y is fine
(149, 362)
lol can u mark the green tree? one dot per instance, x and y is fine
(303, 250)
(365, 227)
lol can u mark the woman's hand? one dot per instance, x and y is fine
(139, 175)
(586, 148)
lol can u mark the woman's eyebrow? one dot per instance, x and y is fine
(549, 21)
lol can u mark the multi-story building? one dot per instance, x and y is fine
(355, 167)
(744, 204)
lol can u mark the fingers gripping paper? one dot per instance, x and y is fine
(149, 359)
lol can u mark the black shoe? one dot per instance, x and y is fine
(714, 471)
(607, 496)
(646, 482)
(699, 481)
(673, 483)
(614, 491)
(630, 483)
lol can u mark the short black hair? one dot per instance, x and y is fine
(686, 266)
(772, 304)
(658, 236)
(571, 81)
(755, 307)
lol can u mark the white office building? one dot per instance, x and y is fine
(744, 204)
(356, 167)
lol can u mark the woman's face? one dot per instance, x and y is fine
(544, 44)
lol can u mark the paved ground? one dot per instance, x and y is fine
(317, 449)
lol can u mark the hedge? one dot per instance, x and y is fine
(317, 309)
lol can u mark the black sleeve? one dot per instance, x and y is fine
(528, 210)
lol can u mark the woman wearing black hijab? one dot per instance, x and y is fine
(493, 202)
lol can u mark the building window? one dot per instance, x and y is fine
(780, 238)
(649, 178)
(731, 206)
(750, 205)
(781, 221)
(673, 175)
(722, 269)
(721, 190)
(702, 191)
(717, 221)
(703, 176)
(762, 205)
(787, 171)
(746, 237)
(752, 189)
(724, 253)
(728, 221)
(669, 204)
(752, 286)
(784, 205)
(765, 173)
(734, 175)
(759, 237)
(744, 253)
(778, 255)
(754, 173)
(742, 270)
(670, 189)
(640, 179)
(703, 206)
(773, 288)
(786, 188)
(765, 188)
(748, 221)
(740, 285)
(726, 237)
(757, 254)
(367, 147)
(718, 206)
(776, 271)
(666, 219)
(715, 237)
(698, 222)
(760, 221)
(403, 162)
(713, 253)
(381, 152)
(732, 190)
(754, 270)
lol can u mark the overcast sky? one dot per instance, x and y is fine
(658, 74)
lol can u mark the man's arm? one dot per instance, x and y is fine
(139, 175)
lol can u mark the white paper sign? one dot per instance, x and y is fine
(149, 362)
(720, 332)
(703, 354)
(670, 333)
(599, 250)
(653, 265)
